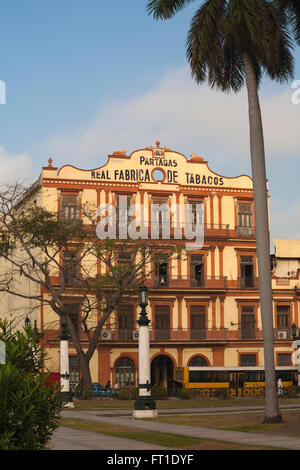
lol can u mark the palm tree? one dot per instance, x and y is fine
(231, 43)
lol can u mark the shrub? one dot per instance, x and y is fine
(183, 394)
(29, 406)
(127, 393)
(220, 393)
(29, 409)
(82, 393)
(159, 393)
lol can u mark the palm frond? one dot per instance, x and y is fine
(292, 9)
(165, 9)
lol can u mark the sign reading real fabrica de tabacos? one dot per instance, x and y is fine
(145, 173)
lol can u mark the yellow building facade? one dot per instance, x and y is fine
(204, 303)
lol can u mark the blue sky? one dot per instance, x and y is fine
(87, 77)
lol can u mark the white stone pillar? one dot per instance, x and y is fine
(144, 406)
(144, 360)
(64, 366)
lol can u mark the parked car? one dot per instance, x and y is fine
(100, 391)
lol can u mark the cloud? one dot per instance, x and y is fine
(284, 220)
(185, 117)
(15, 167)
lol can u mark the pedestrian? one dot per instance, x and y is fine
(279, 387)
(107, 386)
(116, 386)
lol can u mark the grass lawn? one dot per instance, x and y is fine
(241, 422)
(151, 437)
(105, 404)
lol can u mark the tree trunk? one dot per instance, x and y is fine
(84, 360)
(272, 413)
(85, 372)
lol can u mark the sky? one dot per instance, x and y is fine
(84, 78)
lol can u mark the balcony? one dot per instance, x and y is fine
(167, 334)
(179, 231)
(182, 282)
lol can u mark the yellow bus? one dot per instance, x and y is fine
(236, 379)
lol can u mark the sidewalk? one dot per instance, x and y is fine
(76, 439)
(244, 438)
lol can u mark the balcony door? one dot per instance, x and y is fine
(198, 322)
(161, 273)
(197, 270)
(247, 271)
(125, 322)
(162, 322)
(248, 323)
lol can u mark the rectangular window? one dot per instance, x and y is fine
(246, 271)
(284, 359)
(245, 219)
(162, 322)
(123, 203)
(197, 270)
(74, 368)
(198, 322)
(196, 208)
(69, 206)
(161, 272)
(283, 318)
(124, 259)
(70, 268)
(73, 311)
(125, 322)
(248, 359)
(160, 219)
(248, 324)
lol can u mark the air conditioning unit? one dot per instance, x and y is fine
(135, 334)
(282, 334)
(106, 335)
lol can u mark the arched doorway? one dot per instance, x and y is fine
(162, 373)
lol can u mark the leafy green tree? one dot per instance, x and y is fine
(33, 245)
(231, 43)
(29, 406)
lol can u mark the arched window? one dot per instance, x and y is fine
(198, 361)
(125, 372)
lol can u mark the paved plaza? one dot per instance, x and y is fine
(73, 439)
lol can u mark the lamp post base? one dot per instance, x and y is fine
(144, 407)
(144, 414)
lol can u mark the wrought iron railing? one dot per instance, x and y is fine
(167, 334)
(206, 282)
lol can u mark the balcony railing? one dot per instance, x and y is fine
(168, 334)
(207, 282)
(249, 333)
(245, 232)
(248, 282)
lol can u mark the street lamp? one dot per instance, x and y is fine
(64, 363)
(144, 406)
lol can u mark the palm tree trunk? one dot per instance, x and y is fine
(272, 413)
